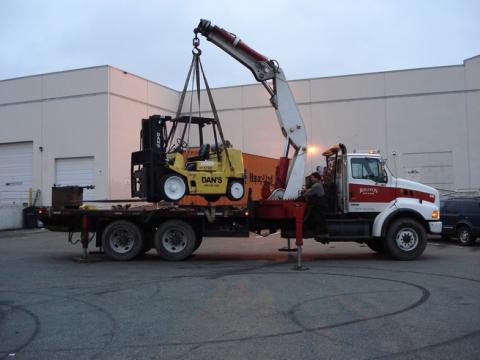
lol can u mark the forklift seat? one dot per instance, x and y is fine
(204, 152)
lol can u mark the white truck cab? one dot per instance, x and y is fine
(365, 198)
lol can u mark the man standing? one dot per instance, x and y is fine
(315, 213)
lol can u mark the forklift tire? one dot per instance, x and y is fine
(173, 187)
(377, 245)
(122, 240)
(406, 239)
(235, 190)
(175, 240)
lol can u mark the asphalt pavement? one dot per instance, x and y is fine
(237, 299)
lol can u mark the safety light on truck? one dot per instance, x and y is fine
(435, 214)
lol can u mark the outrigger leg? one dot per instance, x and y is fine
(288, 248)
(299, 238)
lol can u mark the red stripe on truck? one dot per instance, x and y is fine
(384, 194)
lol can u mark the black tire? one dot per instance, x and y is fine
(465, 236)
(169, 193)
(233, 190)
(377, 245)
(406, 239)
(122, 240)
(175, 240)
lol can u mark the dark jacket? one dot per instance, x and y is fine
(314, 194)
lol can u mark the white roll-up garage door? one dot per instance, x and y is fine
(75, 171)
(16, 172)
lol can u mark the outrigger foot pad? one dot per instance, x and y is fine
(87, 259)
(300, 268)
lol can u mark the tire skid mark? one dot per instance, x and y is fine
(291, 313)
(253, 271)
(425, 294)
(234, 271)
(109, 316)
(402, 271)
(33, 335)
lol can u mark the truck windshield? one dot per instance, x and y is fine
(368, 168)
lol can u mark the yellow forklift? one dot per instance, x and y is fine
(166, 169)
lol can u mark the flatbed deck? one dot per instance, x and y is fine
(214, 220)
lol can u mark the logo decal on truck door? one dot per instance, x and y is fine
(368, 191)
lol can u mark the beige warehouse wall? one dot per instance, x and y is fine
(64, 115)
(429, 118)
(472, 104)
(86, 112)
(19, 123)
(75, 127)
(420, 115)
(131, 98)
(428, 125)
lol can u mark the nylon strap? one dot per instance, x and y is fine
(182, 99)
(215, 113)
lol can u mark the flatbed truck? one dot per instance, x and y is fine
(366, 202)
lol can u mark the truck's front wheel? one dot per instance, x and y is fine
(175, 240)
(122, 240)
(406, 239)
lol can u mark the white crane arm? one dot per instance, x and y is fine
(282, 99)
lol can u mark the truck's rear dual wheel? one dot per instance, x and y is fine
(122, 240)
(406, 239)
(175, 240)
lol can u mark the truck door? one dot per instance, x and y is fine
(450, 213)
(369, 189)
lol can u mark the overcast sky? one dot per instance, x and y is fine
(153, 39)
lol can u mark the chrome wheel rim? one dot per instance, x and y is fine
(407, 239)
(236, 190)
(464, 236)
(174, 187)
(122, 241)
(174, 240)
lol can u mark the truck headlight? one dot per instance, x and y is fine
(435, 214)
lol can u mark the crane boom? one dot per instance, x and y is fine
(282, 99)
